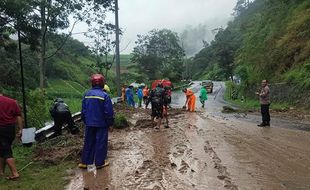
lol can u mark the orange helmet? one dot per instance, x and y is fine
(97, 80)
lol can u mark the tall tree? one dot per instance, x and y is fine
(159, 54)
(103, 46)
(38, 18)
(225, 52)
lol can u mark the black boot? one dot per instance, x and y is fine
(262, 125)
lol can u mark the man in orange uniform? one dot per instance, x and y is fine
(123, 93)
(190, 100)
(146, 93)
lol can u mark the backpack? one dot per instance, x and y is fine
(157, 95)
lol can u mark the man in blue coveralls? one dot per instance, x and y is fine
(129, 95)
(98, 116)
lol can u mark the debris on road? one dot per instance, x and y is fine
(228, 109)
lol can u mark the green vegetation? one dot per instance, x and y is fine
(35, 175)
(37, 22)
(120, 121)
(159, 55)
(67, 73)
(266, 40)
(248, 104)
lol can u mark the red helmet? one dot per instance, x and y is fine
(97, 80)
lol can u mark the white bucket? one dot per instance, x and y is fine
(28, 135)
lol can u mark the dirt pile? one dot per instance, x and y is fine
(228, 109)
(125, 110)
(69, 147)
(59, 149)
(292, 113)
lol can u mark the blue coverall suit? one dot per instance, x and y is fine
(129, 95)
(140, 96)
(98, 115)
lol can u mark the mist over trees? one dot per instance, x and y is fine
(38, 20)
(266, 40)
(193, 39)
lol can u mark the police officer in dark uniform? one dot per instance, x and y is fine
(62, 115)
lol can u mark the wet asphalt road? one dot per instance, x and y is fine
(204, 150)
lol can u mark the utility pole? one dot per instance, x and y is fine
(117, 56)
(22, 78)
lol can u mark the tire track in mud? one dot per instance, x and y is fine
(266, 156)
(222, 170)
(198, 155)
(154, 170)
(175, 158)
(178, 160)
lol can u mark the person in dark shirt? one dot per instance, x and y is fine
(10, 115)
(157, 96)
(62, 115)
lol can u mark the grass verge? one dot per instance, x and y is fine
(36, 175)
(252, 104)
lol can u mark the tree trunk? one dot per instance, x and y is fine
(43, 45)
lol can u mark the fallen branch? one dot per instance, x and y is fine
(25, 166)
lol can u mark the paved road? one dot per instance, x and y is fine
(257, 158)
(204, 150)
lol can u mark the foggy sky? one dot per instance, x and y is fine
(141, 16)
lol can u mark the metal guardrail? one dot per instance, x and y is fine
(47, 131)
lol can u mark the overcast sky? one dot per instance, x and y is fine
(141, 16)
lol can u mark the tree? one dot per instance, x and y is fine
(39, 18)
(241, 6)
(103, 46)
(159, 54)
(225, 52)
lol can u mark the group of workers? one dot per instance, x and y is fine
(142, 94)
(97, 114)
(190, 103)
(160, 99)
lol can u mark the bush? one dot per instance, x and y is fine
(233, 90)
(120, 122)
(37, 109)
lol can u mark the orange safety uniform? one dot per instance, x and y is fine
(123, 94)
(145, 92)
(190, 96)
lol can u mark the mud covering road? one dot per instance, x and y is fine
(203, 150)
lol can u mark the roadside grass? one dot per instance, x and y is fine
(120, 121)
(75, 104)
(252, 104)
(64, 89)
(124, 61)
(37, 175)
(71, 92)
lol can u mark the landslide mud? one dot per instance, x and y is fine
(146, 158)
(202, 150)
